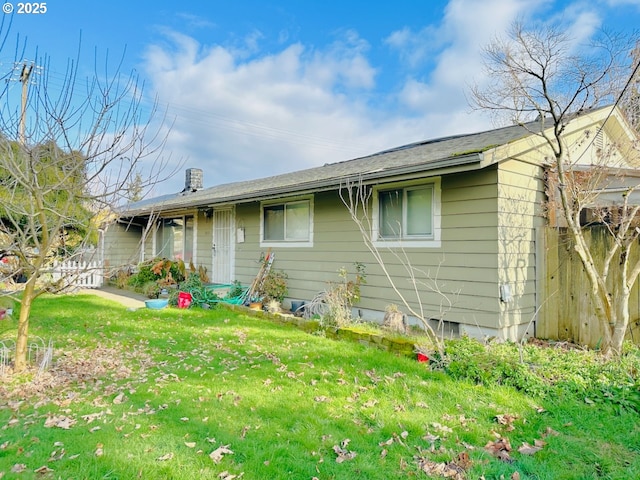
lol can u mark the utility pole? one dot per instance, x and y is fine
(24, 79)
(24, 73)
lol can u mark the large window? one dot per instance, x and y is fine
(408, 214)
(175, 238)
(287, 223)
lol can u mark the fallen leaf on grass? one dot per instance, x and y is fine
(507, 419)
(342, 452)
(120, 398)
(454, 469)
(228, 476)
(13, 422)
(57, 455)
(99, 450)
(60, 421)
(441, 428)
(500, 449)
(43, 470)
(219, 453)
(18, 468)
(165, 457)
(527, 449)
(92, 417)
(190, 444)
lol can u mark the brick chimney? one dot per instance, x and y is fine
(193, 179)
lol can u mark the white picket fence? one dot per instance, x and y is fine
(79, 274)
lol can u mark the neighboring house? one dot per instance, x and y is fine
(468, 210)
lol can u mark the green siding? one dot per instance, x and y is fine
(122, 245)
(520, 199)
(466, 262)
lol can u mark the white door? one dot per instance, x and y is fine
(223, 241)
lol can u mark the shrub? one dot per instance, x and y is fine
(335, 303)
(544, 370)
(163, 271)
(142, 276)
(274, 286)
(151, 289)
(200, 295)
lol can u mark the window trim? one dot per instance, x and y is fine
(287, 243)
(410, 241)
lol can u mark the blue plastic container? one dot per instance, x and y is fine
(157, 304)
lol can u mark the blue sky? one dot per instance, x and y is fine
(255, 88)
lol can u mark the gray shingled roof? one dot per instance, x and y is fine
(422, 156)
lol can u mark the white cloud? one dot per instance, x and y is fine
(242, 113)
(273, 113)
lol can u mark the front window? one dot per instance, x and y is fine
(406, 213)
(287, 223)
(175, 238)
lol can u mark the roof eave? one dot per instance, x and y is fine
(446, 165)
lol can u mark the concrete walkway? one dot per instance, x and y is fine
(124, 297)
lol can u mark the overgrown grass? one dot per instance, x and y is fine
(151, 394)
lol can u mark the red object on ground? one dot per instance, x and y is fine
(184, 299)
(422, 358)
(3, 312)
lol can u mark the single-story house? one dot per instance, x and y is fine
(466, 211)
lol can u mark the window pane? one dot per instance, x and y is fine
(274, 222)
(177, 229)
(419, 211)
(297, 221)
(164, 245)
(390, 213)
(170, 238)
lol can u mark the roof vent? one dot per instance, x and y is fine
(193, 180)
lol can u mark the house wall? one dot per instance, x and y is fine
(122, 245)
(464, 268)
(520, 216)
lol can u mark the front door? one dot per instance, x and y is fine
(223, 240)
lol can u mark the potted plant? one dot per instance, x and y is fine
(274, 288)
(255, 302)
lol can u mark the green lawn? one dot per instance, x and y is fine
(175, 394)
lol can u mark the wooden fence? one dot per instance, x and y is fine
(566, 312)
(79, 274)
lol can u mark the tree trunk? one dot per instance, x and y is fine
(23, 326)
(618, 329)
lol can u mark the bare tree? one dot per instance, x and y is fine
(630, 99)
(69, 148)
(545, 74)
(356, 196)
